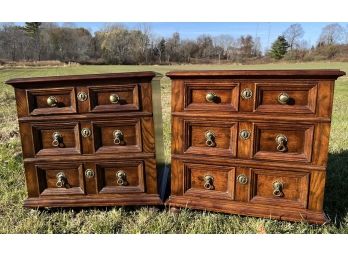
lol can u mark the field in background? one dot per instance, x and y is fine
(15, 219)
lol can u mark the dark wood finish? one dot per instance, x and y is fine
(299, 74)
(299, 141)
(251, 175)
(100, 98)
(295, 189)
(37, 101)
(104, 138)
(224, 140)
(107, 179)
(89, 164)
(139, 76)
(226, 95)
(222, 181)
(302, 97)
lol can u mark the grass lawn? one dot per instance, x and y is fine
(15, 219)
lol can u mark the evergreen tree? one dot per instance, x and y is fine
(279, 48)
(33, 30)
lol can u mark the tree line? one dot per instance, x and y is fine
(116, 44)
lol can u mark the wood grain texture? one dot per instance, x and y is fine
(222, 181)
(283, 183)
(107, 177)
(316, 191)
(226, 94)
(302, 97)
(247, 74)
(89, 163)
(94, 200)
(224, 140)
(298, 146)
(294, 191)
(99, 98)
(248, 209)
(242, 191)
(104, 138)
(141, 76)
(37, 101)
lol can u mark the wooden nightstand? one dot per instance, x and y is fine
(252, 142)
(89, 140)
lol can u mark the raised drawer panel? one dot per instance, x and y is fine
(286, 97)
(283, 142)
(117, 136)
(209, 181)
(60, 138)
(60, 179)
(51, 101)
(113, 98)
(210, 137)
(283, 188)
(120, 177)
(211, 95)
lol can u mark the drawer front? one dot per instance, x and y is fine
(210, 137)
(117, 136)
(283, 142)
(113, 98)
(58, 138)
(51, 101)
(120, 177)
(282, 188)
(211, 95)
(208, 181)
(291, 97)
(60, 179)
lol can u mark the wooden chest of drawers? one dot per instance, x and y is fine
(88, 140)
(252, 142)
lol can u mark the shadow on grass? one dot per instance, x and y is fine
(336, 190)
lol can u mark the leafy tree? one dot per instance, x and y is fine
(279, 48)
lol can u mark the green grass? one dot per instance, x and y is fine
(15, 219)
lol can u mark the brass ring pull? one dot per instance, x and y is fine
(283, 98)
(118, 137)
(121, 178)
(57, 137)
(114, 98)
(210, 139)
(278, 189)
(61, 179)
(210, 97)
(281, 141)
(52, 101)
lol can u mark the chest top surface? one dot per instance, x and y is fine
(269, 74)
